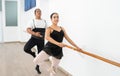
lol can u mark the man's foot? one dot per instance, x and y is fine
(33, 54)
(37, 69)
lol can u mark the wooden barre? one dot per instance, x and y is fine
(95, 56)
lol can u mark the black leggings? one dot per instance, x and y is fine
(31, 43)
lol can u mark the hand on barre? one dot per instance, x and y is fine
(77, 49)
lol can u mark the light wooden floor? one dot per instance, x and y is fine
(15, 62)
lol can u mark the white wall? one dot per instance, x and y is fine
(94, 26)
(44, 6)
(18, 33)
(25, 17)
(0, 26)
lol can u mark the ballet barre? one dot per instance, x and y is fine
(95, 56)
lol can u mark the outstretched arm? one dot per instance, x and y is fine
(68, 39)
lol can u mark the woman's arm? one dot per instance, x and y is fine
(47, 37)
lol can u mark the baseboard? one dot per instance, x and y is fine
(64, 71)
(12, 42)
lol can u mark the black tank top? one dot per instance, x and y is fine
(52, 49)
(57, 35)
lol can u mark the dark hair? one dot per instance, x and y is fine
(36, 10)
(52, 14)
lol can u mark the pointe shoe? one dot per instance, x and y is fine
(51, 70)
(51, 74)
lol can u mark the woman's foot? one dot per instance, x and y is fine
(52, 71)
(51, 74)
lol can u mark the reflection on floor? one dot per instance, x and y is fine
(15, 62)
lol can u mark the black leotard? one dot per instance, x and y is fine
(52, 49)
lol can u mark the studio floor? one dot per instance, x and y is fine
(15, 62)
